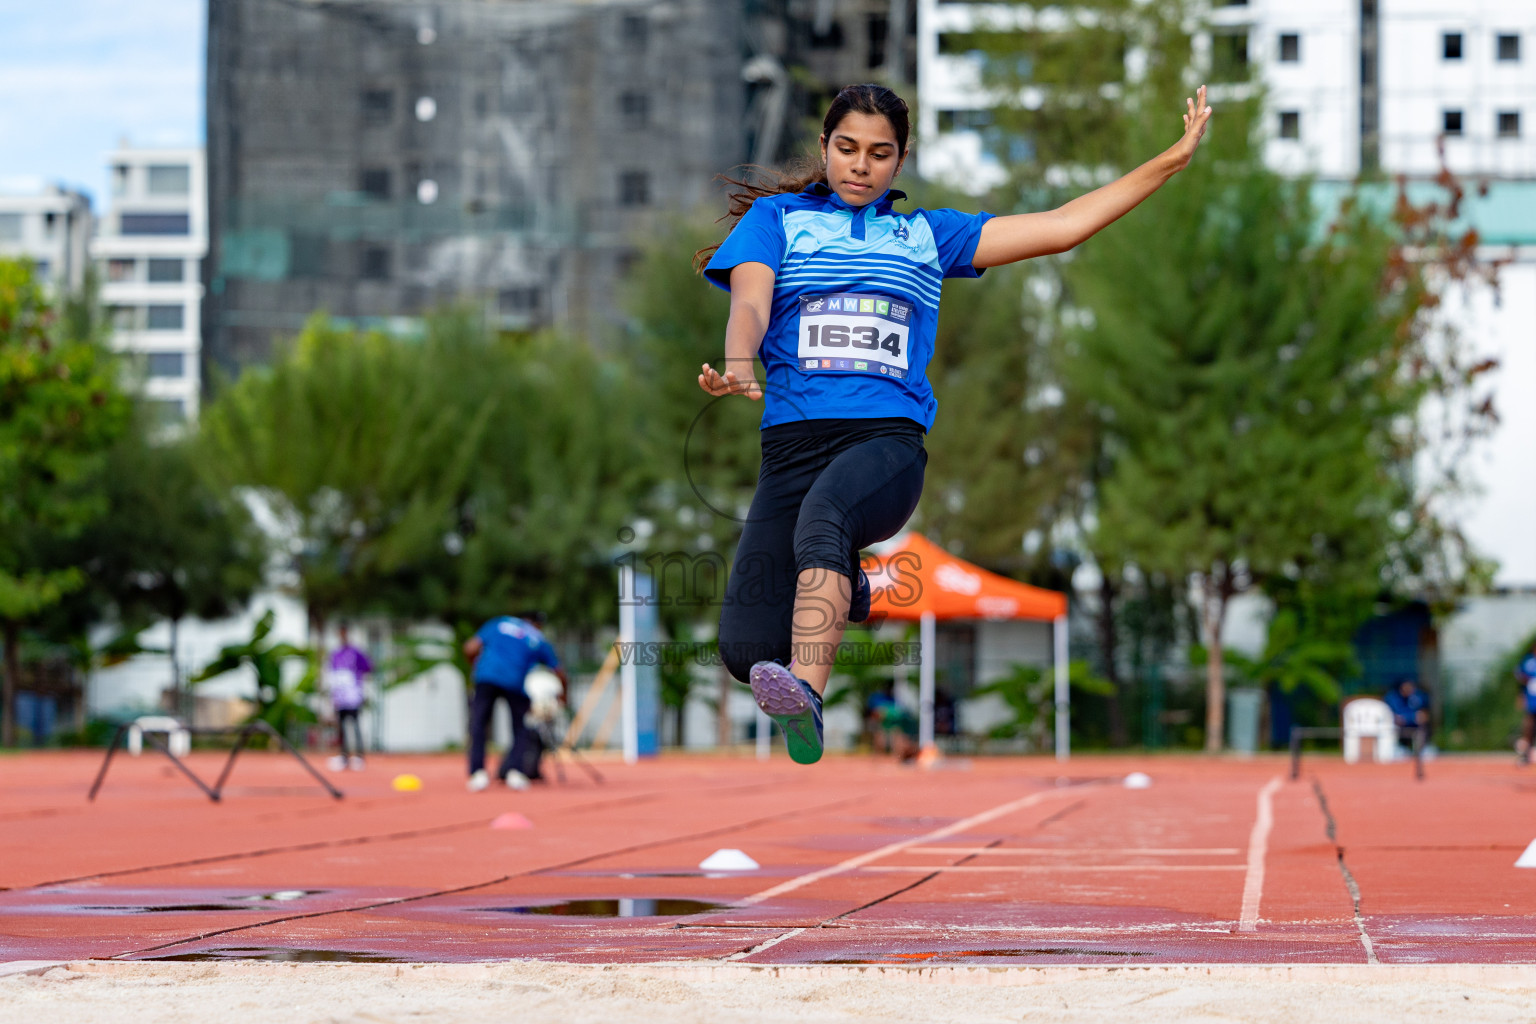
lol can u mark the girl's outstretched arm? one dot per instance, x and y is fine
(1026, 235)
(751, 304)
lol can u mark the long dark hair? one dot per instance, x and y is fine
(758, 182)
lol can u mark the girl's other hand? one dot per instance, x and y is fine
(729, 384)
(1196, 116)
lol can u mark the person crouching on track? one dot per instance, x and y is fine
(838, 293)
(501, 654)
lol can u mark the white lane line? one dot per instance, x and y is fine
(1258, 848)
(852, 863)
(1054, 868)
(744, 953)
(1072, 851)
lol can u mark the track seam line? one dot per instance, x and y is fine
(1258, 849)
(862, 859)
(1349, 879)
(474, 885)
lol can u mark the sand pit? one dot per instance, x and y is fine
(257, 993)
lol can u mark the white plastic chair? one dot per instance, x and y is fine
(1367, 716)
(177, 737)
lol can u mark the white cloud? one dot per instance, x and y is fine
(78, 75)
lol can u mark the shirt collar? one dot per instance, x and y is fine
(882, 203)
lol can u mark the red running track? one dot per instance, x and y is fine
(988, 861)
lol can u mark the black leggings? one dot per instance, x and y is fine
(826, 489)
(343, 716)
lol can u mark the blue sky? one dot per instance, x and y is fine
(78, 75)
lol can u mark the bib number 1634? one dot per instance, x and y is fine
(857, 333)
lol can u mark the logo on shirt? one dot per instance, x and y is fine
(843, 364)
(901, 231)
(811, 364)
(866, 305)
(826, 364)
(814, 306)
(835, 305)
(860, 365)
(884, 368)
(899, 312)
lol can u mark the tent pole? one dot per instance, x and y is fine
(1063, 690)
(628, 655)
(925, 682)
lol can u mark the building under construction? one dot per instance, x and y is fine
(377, 158)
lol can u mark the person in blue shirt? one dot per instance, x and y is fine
(1525, 675)
(1410, 709)
(837, 292)
(501, 653)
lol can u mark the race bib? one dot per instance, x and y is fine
(851, 333)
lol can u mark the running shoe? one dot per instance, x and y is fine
(478, 781)
(790, 701)
(357, 764)
(858, 608)
(337, 764)
(515, 780)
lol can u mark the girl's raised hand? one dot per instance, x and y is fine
(1196, 117)
(729, 384)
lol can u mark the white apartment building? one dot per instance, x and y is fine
(53, 229)
(1379, 81)
(149, 247)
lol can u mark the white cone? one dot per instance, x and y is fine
(1138, 780)
(1528, 858)
(729, 860)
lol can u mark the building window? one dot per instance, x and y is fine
(1290, 47)
(41, 270)
(169, 179)
(1229, 56)
(635, 108)
(378, 107)
(636, 31)
(832, 38)
(1290, 124)
(520, 301)
(167, 271)
(156, 224)
(878, 28)
(10, 227)
(964, 120)
(1450, 46)
(375, 263)
(374, 183)
(1450, 122)
(634, 188)
(166, 364)
(122, 270)
(119, 179)
(1509, 124)
(1509, 47)
(165, 318)
(167, 412)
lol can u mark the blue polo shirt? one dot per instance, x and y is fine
(510, 648)
(855, 300)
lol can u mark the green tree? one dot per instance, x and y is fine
(171, 545)
(1253, 383)
(281, 707)
(60, 411)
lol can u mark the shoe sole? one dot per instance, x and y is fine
(782, 699)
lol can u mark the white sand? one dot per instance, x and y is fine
(256, 993)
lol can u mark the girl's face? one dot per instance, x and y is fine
(861, 157)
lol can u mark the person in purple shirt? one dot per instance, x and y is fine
(345, 671)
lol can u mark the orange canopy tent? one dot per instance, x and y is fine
(918, 580)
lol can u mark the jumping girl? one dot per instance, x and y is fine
(839, 294)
